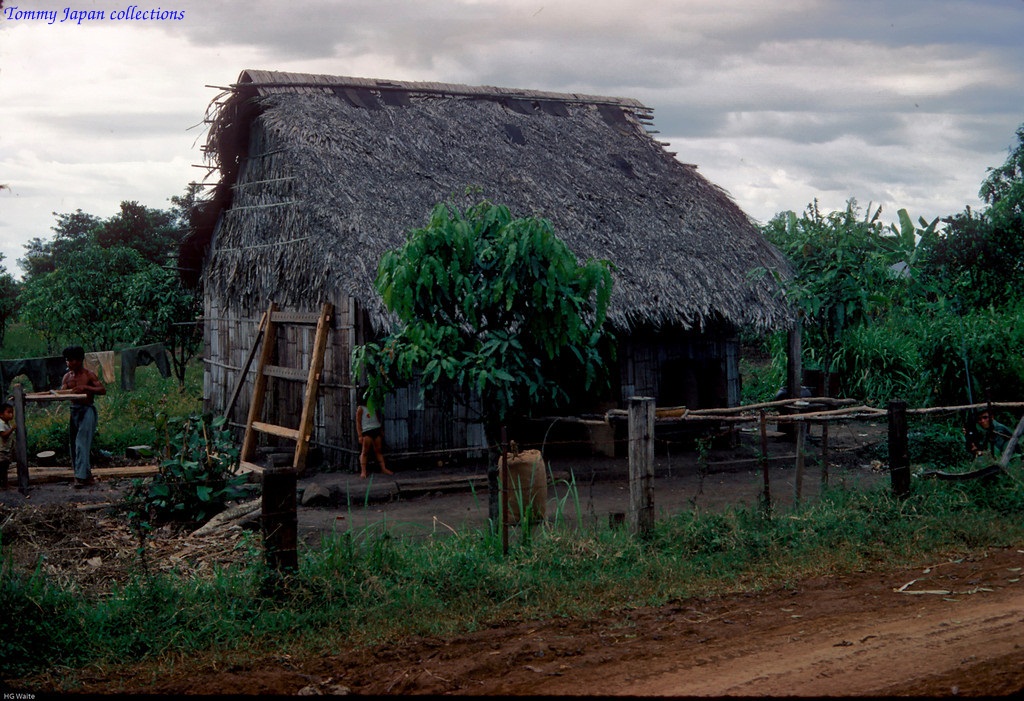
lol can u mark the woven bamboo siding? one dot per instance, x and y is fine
(698, 371)
(411, 423)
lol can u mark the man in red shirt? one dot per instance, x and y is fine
(81, 380)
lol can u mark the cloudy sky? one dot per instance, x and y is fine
(902, 103)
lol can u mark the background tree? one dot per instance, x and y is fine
(154, 233)
(73, 232)
(166, 312)
(105, 283)
(84, 300)
(489, 305)
(978, 260)
(9, 289)
(1003, 191)
(844, 272)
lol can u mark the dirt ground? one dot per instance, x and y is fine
(944, 628)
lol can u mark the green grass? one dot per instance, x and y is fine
(374, 586)
(21, 341)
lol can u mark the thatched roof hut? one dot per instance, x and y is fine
(319, 175)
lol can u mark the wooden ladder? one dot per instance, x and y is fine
(301, 435)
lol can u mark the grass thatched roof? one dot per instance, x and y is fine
(321, 174)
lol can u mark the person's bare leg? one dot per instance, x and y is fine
(363, 456)
(378, 449)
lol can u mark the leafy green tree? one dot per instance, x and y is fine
(154, 233)
(110, 282)
(969, 264)
(844, 272)
(9, 289)
(166, 312)
(85, 299)
(492, 305)
(73, 232)
(978, 260)
(1003, 190)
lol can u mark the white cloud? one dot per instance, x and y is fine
(904, 104)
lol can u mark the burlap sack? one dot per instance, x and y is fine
(528, 487)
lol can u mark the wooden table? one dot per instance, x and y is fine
(21, 436)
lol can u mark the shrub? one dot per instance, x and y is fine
(198, 474)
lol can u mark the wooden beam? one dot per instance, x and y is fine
(306, 318)
(285, 373)
(641, 465)
(260, 386)
(316, 367)
(49, 475)
(274, 430)
(245, 366)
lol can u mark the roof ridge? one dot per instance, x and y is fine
(284, 79)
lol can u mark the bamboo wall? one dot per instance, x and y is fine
(414, 424)
(697, 371)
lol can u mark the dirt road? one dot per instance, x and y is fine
(870, 634)
(945, 629)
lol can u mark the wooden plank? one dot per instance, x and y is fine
(53, 396)
(245, 467)
(285, 373)
(260, 386)
(274, 430)
(316, 367)
(308, 318)
(49, 475)
(245, 366)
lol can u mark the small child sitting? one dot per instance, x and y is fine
(6, 441)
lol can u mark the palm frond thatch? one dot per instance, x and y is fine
(321, 174)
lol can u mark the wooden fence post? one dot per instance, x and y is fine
(280, 522)
(798, 479)
(794, 366)
(899, 450)
(20, 437)
(824, 455)
(767, 496)
(504, 481)
(641, 465)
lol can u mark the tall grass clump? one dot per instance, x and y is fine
(881, 361)
(982, 350)
(764, 372)
(39, 627)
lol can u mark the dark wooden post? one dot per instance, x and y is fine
(899, 450)
(824, 455)
(641, 465)
(20, 438)
(767, 498)
(504, 490)
(798, 479)
(794, 365)
(280, 523)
